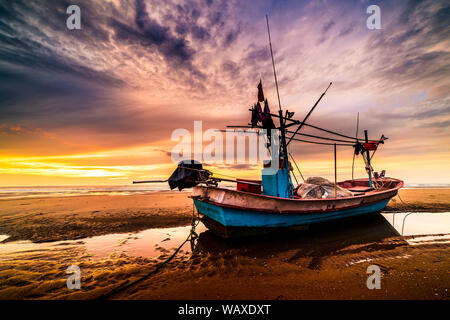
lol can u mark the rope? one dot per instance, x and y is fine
(319, 137)
(317, 128)
(408, 206)
(398, 195)
(404, 218)
(297, 167)
(323, 143)
(296, 181)
(191, 237)
(373, 154)
(335, 133)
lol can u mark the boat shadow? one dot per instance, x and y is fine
(318, 241)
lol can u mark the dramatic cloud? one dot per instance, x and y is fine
(138, 69)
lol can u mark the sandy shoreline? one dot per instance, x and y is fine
(326, 262)
(425, 200)
(75, 217)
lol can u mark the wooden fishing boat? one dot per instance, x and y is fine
(235, 213)
(273, 203)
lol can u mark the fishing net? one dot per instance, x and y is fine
(320, 188)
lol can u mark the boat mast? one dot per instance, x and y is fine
(369, 168)
(284, 151)
(273, 64)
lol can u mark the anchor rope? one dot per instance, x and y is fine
(410, 206)
(398, 195)
(191, 237)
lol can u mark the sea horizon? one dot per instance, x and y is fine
(16, 192)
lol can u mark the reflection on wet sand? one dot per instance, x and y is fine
(317, 242)
(277, 265)
(328, 261)
(419, 223)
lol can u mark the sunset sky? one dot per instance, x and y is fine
(97, 106)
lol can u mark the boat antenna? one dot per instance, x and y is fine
(273, 62)
(309, 113)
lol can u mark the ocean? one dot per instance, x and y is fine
(61, 191)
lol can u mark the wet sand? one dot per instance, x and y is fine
(67, 218)
(318, 270)
(326, 262)
(75, 217)
(425, 200)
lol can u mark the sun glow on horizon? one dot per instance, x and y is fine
(98, 106)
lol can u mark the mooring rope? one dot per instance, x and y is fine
(410, 207)
(407, 205)
(404, 218)
(191, 237)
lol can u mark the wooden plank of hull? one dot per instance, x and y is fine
(229, 217)
(225, 209)
(260, 203)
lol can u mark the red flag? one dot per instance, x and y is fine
(260, 92)
(371, 146)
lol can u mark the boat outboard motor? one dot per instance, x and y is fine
(188, 174)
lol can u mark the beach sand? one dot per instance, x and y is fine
(425, 200)
(325, 262)
(75, 217)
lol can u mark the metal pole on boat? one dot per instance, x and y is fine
(357, 129)
(273, 63)
(335, 172)
(150, 181)
(309, 113)
(368, 160)
(282, 122)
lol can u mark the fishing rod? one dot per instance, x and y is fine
(310, 111)
(150, 181)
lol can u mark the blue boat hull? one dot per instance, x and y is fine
(223, 219)
(223, 209)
